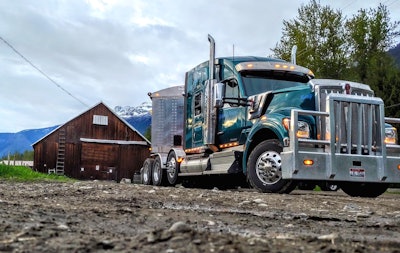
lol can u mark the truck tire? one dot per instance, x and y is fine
(366, 190)
(147, 171)
(173, 169)
(327, 186)
(264, 171)
(158, 174)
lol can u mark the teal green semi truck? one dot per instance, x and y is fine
(273, 123)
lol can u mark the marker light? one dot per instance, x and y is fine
(308, 162)
(272, 65)
(286, 123)
(229, 145)
(194, 150)
(398, 166)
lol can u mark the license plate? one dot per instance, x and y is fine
(357, 172)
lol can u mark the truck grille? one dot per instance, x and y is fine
(357, 125)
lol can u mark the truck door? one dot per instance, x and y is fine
(198, 119)
(232, 116)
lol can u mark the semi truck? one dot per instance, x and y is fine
(271, 122)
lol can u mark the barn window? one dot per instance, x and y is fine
(100, 120)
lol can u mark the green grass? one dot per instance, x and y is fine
(25, 174)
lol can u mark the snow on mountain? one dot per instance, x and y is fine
(138, 116)
(129, 111)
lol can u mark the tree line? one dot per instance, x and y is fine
(17, 156)
(354, 48)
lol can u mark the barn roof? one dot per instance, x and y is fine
(112, 111)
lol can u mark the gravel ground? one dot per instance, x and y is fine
(98, 216)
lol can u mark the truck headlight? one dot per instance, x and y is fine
(303, 128)
(390, 135)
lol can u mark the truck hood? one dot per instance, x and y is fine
(300, 97)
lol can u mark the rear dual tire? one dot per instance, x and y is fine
(153, 173)
(159, 176)
(172, 169)
(147, 171)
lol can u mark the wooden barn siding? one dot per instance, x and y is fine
(113, 161)
(129, 157)
(115, 130)
(72, 159)
(45, 154)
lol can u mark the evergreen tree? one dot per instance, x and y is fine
(147, 134)
(26, 156)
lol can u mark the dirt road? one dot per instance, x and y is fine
(115, 217)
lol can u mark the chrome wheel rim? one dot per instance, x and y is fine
(268, 167)
(145, 174)
(172, 167)
(156, 171)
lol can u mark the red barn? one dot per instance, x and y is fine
(98, 144)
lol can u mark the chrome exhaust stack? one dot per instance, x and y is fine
(210, 121)
(293, 54)
(212, 58)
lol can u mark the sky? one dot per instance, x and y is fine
(59, 58)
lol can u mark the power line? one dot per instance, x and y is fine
(41, 72)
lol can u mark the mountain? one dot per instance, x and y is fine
(139, 117)
(21, 141)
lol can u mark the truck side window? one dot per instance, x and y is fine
(232, 89)
(197, 104)
(231, 92)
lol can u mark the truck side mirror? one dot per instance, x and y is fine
(219, 95)
(259, 104)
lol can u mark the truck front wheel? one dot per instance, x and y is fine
(264, 171)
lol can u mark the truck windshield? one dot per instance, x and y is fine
(256, 82)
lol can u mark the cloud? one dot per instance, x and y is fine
(117, 51)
